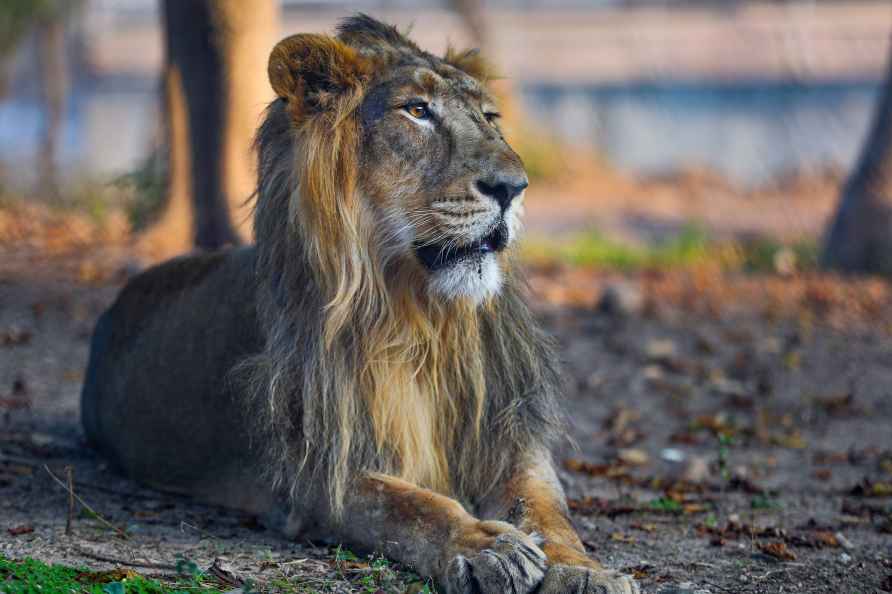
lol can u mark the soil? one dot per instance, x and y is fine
(729, 433)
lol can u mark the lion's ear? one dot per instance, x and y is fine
(313, 70)
(470, 62)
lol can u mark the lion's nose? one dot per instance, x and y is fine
(503, 189)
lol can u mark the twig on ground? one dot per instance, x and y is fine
(134, 563)
(201, 531)
(70, 473)
(96, 515)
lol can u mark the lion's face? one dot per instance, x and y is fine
(446, 187)
(442, 186)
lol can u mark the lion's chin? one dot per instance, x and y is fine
(477, 278)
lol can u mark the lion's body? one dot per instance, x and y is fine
(165, 399)
(156, 397)
(369, 371)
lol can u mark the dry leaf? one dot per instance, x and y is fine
(778, 550)
(19, 530)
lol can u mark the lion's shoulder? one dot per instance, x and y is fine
(216, 275)
(173, 276)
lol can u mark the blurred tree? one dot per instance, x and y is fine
(51, 60)
(214, 87)
(17, 18)
(46, 18)
(859, 238)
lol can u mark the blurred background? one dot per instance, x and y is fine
(638, 120)
(708, 237)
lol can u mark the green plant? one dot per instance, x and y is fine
(689, 247)
(146, 188)
(665, 505)
(725, 443)
(762, 501)
(27, 576)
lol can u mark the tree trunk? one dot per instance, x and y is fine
(50, 34)
(860, 236)
(214, 92)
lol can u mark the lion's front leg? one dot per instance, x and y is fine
(436, 536)
(534, 501)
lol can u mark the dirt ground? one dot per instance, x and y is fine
(732, 433)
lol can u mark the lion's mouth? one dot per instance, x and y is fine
(437, 256)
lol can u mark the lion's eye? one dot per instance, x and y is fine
(492, 116)
(418, 111)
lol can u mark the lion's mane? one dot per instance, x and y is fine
(362, 370)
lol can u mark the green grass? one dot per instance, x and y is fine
(29, 576)
(665, 505)
(593, 249)
(350, 573)
(691, 247)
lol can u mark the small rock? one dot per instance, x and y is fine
(845, 558)
(696, 470)
(659, 348)
(621, 299)
(633, 456)
(785, 261)
(771, 345)
(672, 455)
(652, 372)
(843, 541)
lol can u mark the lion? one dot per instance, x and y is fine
(368, 372)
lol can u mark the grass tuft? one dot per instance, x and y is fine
(29, 576)
(691, 247)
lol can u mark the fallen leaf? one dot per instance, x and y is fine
(15, 336)
(633, 456)
(608, 470)
(19, 530)
(695, 508)
(222, 571)
(826, 539)
(868, 488)
(639, 571)
(778, 550)
(15, 403)
(597, 505)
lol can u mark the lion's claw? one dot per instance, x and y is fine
(513, 564)
(566, 579)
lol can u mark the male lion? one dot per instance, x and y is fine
(369, 371)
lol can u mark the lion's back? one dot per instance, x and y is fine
(156, 398)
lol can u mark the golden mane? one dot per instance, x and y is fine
(362, 369)
(384, 351)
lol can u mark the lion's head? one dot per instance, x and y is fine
(395, 334)
(438, 191)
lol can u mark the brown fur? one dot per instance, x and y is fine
(391, 378)
(387, 416)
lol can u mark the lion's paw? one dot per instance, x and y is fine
(512, 563)
(561, 579)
